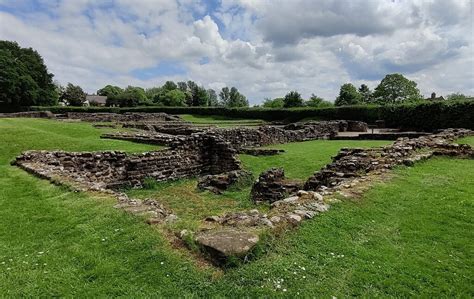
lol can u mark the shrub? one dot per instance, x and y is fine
(422, 116)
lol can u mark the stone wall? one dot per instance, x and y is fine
(198, 154)
(29, 114)
(351, 163)
(240, 137)
(116, 117)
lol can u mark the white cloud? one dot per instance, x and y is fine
(263, 47)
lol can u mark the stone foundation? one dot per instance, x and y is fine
(306, 204)
(218, 183)
(240, 137)
(355, 162)
(29, 114)
(116, 117)
(272, 186)
(199, 154)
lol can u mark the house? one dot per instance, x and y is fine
(434, 98)
(94, 100)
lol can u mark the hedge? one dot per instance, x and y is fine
(422, 116)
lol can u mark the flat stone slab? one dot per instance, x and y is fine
(223, 243)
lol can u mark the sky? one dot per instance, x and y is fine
(265, 48)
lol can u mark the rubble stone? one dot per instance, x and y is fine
(272, 186)
(221, 244)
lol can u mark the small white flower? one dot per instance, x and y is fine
(284, 290)
(41, 252)
(162, 263)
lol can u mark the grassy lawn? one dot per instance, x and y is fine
(220, 121)
(411, 236)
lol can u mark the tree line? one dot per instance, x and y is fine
(180, 94)
(393, 89)
(25, 81)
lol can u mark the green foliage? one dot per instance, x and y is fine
(24, 78)
(169, 85)
(317, 102)
(424, 116)
(365, 93)
(232, 98)
(131, 97)
(348, 95)
(109, 90)
(149, 183)
(151, 93)
(174, 98)
(457, 97)
(73, 95)
(213, 101)
(395, 88)
(275, 103)
(292, 99)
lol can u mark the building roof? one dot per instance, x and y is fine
(97, 99)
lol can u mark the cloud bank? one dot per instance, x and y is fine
(263, 47)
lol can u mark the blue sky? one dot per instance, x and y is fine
(263, 47)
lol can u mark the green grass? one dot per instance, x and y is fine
(467, 140)
(410, 237)
(220, 121)
(302, 159)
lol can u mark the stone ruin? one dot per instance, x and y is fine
(240, 138)
(348, 169)
(29, 114)
(272, 186)
(120, 117)
(195, 155)
(211, 154)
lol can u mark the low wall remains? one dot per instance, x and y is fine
(351, 163)
(198, 154)
(241, 137)
(116, 117)
(30, 114)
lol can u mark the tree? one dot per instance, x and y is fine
(232, 98)
(109, 90)
(24, 78)
(192, 95)
(73, 95)
(275, 103)
(152, 92)
(457, 97)
(365, 93)
(395, 88)
(169, 85)
(183, 86)
(213, 101)
(200, 97)
(170, 98)
(317, 102)
(293, 99)
(176, 98)
(132, 96)
(348, 95)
